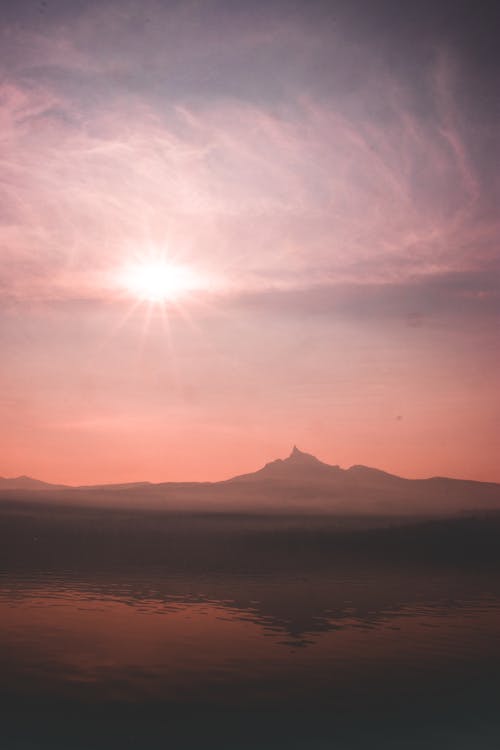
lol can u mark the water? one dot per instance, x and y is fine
(404, 651)
(269, 638)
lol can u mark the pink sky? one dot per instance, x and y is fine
(337, 211)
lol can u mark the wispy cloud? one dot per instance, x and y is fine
(307, 192)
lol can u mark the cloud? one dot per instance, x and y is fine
(128, 129)
(465, 299)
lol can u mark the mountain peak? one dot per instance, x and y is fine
(300, 457)
(298, 466)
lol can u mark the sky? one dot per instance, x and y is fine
(226, 228)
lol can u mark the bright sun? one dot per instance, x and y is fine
(159, 280)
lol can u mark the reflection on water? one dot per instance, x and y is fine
(238, 635)
(231, 641)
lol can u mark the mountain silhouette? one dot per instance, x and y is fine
(26, 483)
(300, 483)
(301, 469)
(297, 466)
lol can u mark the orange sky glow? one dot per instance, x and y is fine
(205, 260)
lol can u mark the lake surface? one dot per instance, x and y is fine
(406, 652)
(297, 650)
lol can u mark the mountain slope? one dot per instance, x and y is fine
(299, 483)
(299, 466)
(302, 481)
(27, 483)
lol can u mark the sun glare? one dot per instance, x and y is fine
(159, 281)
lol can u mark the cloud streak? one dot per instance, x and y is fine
(357, 187)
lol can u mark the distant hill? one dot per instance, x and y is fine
(27, 483)
(299, 483)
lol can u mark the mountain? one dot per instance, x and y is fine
(300, 483)
(304, 470)
(27, 483)
(299, 466)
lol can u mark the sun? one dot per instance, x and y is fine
(159, 280)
